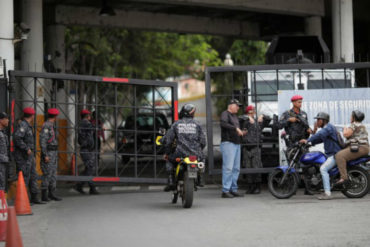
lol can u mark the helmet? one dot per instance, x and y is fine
(187, 110)
(323, 115)
(358, 116)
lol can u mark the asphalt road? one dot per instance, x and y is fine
(136, 218)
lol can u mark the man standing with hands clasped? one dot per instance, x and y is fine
(230, 149)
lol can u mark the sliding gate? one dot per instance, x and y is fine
(127, 114)
(259, 86)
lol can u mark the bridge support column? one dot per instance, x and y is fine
(32, 50)
(7, 33)
(342, 25)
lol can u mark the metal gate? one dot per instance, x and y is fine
(260, 85)
(127, 112)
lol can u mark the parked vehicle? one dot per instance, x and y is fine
(283, 181)
(141, 140)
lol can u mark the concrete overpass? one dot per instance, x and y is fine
(247, 19)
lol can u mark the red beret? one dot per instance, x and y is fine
(249, 108)
(296, 97)
(29, 111)
(84, 112)
(53, 111)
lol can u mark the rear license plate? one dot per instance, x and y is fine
(192, 174)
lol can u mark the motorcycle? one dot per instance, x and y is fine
(284, 180)
(187, 174)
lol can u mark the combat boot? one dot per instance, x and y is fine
(170, 183)
(35, 199)
(44, 195)
(200, 180)
(257, 188)
(78, 188)
(52, 196)
(93, 190)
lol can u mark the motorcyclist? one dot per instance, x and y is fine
(357, 145)
(328, 136)
(190, 140)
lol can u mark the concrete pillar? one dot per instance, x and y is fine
(342, 25)
(32, 48)
(55, 48)
(313, 26)
(7, 33)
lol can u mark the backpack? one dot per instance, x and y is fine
(341, 142)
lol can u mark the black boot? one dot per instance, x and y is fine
(93, 190)
(257, 188)
(200, 180)
(170, 183)
(35, 199)
(52, 195)
(78, 188)
(44, 195)
(250, 188)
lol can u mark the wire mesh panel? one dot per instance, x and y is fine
(126, 115)
(259, 86)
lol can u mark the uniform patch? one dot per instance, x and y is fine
(22, 129)
(46, 130)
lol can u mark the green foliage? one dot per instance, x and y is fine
(153, 55)
(136, 54)
(243, 52)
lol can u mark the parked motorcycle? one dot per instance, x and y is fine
(284, 180)
(187, 175)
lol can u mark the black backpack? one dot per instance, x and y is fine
(340, 140)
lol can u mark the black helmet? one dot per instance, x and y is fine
(187, 110)
(358, 116)
(323, 115)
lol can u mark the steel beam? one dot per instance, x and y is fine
(72, 15)
(289, 7)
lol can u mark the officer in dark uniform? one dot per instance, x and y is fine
(86, 133)
(23, 153)
(190, 140)
(252, 147)
(295, 122)
(4, 150)
(49, 156)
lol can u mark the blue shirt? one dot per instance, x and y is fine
(328, 136)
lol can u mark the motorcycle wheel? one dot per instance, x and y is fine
(188, 191)
(287, 189)
(175, 196)
(359, 183)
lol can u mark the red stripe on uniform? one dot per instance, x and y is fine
(105, 179)
(112, 79)
(176, 110)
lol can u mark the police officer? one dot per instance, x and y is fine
(252, 148)
(23, 153)
(4, 150)
(190, 140)
(86, 140)
(295, 122)
(49, 157)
